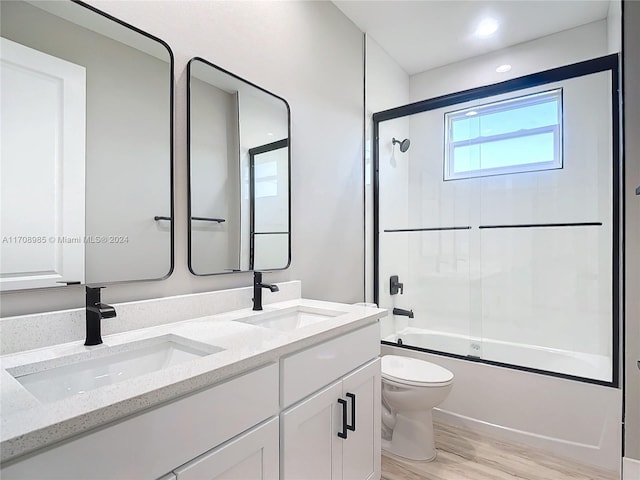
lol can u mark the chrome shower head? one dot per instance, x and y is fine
(404, 144)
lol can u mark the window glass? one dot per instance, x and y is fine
(512, 136)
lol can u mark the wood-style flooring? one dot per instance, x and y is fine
(465, 455)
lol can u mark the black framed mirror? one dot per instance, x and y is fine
(87, 129)
(239, 173)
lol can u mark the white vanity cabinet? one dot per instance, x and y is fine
(279, 421)
(160, 440)
(333, 434)
(252, 455)
(312, 448)
(361, 449)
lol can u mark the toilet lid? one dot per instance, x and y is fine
(413, 371)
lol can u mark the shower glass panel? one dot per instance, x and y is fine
(425, 241)
(516, 269)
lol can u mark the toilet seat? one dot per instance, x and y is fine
(414, 372)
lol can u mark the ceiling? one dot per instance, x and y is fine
(425, 34)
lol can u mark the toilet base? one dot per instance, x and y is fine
(412, 437)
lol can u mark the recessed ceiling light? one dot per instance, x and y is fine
(471, 113)
(270, 134)
(503, 68)
(487, 27)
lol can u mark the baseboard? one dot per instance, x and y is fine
(630, 469)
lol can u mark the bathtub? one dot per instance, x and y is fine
(572, 419)
(586, 365)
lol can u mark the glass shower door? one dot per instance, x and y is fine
(508, 262)
(424, 241)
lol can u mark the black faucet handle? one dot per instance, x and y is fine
(92, 294)
(395, 286)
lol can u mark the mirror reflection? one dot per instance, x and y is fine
(239, 174)
(86, 148)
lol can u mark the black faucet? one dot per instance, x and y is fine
(96, 311)
(400, 311)
(257, 290)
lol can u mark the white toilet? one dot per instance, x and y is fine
(410, 390)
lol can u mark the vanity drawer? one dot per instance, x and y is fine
(304, 372)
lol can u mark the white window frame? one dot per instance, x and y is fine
(502, 105)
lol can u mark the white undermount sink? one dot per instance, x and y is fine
(292, 318)
(63, 377)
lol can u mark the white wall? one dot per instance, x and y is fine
(306, 52)
(387, 86)
(614, 26)
(563, 48)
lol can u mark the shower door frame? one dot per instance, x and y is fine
(575, 70)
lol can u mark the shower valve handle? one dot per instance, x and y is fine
(395, 286)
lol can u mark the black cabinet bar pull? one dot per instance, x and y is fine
(352, 427)
(343, 433)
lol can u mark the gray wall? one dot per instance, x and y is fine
(306, 52)
(631, 65)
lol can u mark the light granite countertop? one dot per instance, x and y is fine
(29, 424)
